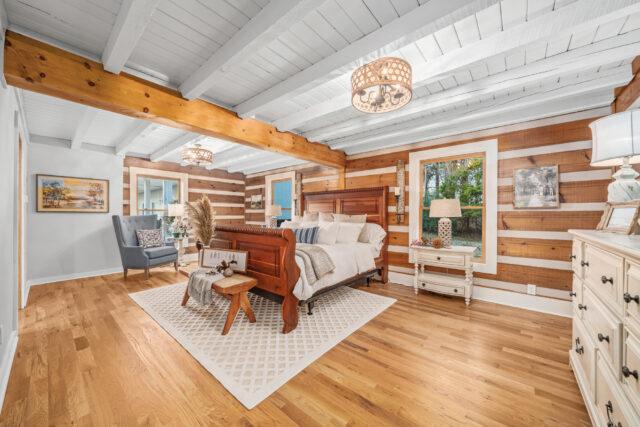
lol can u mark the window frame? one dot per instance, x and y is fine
(285, 176)
(163, 178)
(135, 172)
(490, 219)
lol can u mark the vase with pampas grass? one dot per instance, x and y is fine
(203, 220)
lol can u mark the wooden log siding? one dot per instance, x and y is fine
(225, 190)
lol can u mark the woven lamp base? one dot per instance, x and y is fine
(444, 231)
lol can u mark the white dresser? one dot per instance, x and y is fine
(454, 257)
(605, 354)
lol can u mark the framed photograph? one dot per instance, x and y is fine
(211, 258)
(256, 201)
(621, 218)
(536, 188)
(71, 194)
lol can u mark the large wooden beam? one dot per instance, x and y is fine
(42, 68)
(628, 97)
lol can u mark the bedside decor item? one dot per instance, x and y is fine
(616, 142)
(399, 192)
(202, 218)
(273, 212)
(236, 260)
(437, 243)
(621, 218)
(536, 188)
(382, 85)
(226, 267)
(70, 194)
(445, 209)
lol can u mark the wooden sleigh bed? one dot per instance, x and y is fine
(272, 251)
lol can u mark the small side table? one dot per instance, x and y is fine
(236, 288)
(454, 257)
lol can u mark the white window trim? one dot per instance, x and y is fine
(278, 177)
(490, 150)
(133, 184)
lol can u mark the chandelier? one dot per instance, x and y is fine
(382, 85)
(197, 156)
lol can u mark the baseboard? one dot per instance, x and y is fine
(72, 276)
(7, 362)
(500, 296)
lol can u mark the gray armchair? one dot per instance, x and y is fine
(134, 256)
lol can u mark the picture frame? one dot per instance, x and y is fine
(536, 187)
(68, 194)
(212, 257)
(621, 218)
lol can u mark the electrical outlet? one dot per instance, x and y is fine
(531, 289)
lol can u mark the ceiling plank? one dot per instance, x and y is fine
(83, 127)
(235, 155)
(141, 130)
(42, 68)
(133, 17)
(167, 150)
(274, 19)
(241, 166)
(424, 20)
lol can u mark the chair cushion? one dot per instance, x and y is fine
(160, 251)
(150, 238)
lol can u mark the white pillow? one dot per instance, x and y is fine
(290, 224)
(348, 232)
(372, 233)
(328, 233)
(325, 217)
(360, 219)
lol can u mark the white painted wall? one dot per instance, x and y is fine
(62, 246)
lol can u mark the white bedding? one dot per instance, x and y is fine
(350, 260)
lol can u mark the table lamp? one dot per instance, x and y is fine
(616, 142)
(176, 210)
(445, 209)
(273, 212)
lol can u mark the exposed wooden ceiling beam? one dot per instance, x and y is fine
(574, 17)
(83, 127)
(141, 130)
(573, 62)
(424, 20)
(132, 19)
(274, 19)
(42, 68)
(628, 97)
(167, 150)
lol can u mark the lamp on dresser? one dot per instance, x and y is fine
(272, 212)
(616, 142)
(445, 209)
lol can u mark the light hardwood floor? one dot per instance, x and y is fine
(89, 355)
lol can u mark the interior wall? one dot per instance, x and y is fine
(225, 190)
(533, 245)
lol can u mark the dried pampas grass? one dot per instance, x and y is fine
(202, 219)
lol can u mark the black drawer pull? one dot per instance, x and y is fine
(604, 280)
(573, 257)
(628, 298)
(629, 373)
(584, 263)
(455, 290)
(603, 337)
(582, 307)
(572, 294)
(579, 348)
(609, 407)
(438, 258)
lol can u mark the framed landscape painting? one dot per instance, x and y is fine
(70, 194)
(536, 188)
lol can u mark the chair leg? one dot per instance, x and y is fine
(175, 265)
(126, 271)
(146, 273)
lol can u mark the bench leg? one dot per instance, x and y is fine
(246, 307)
(233, 310)
(185, 298)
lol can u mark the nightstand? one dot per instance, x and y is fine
(454, 257)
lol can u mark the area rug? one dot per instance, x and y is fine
(255, 359)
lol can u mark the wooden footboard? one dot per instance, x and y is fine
(271, 261)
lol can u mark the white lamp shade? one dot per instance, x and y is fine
(273, 210)
(445, 208)
(615, 137)
(176, 209)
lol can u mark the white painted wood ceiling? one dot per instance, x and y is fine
(476, 64)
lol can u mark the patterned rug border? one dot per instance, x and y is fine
(250, 400)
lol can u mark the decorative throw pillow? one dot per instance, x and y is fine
(307, 235)
(150, 238)
(310, 217)
(373, 234)
(348, 232)
(328, 233)
(325, 217)
(359, 219)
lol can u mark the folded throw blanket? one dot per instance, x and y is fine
(199, 287)
(317, 262)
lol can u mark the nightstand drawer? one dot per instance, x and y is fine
(576, 296)
(631, 367)
(631, 295)
(585, 353)
(441, 258)
(442, 289)
(604, 329)
(576, 258)
(603, 273)
(612, 406)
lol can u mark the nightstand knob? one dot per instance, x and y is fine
(628, 298)
(579, 348)
(603, 337)
(629, 373)
(572, 294)
(582, 307)
(584, 263)
(438, 258)
(455, 290)
(572, 257)
(605, 279)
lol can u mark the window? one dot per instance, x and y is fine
(156, 194)
(281, 195)
(459, 178)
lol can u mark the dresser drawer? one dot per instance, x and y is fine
(585, 352)
(576, 258)
(631, 367)
(631, 294)
(612, 406)
(604, 274)
(442, 259)
(576, 296)
(603, 328)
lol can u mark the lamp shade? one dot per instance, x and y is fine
(176, 209)
(445, 208)
(615, 137)
(273, 210)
